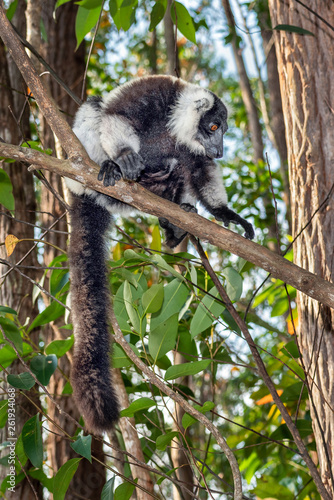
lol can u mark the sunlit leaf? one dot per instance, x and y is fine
(184, 21)
(85, 21)
(157, 15)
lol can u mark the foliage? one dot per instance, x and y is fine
(162, 310)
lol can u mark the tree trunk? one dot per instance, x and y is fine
(173, 63)
(306, 68)
(16, 290)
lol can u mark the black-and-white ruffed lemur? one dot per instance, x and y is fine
(165, 134)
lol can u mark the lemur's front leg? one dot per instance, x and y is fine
(226, 215)
(121, 143)
(213, 197)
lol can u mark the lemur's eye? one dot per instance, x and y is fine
(213, 127)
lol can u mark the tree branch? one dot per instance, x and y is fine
(119, 338)
(85, 171)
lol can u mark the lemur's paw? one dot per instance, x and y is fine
(131, 165)
(109, 173)
(188, 208)
(249, 230)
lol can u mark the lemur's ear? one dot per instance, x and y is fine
(202, 104)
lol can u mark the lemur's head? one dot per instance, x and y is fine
(212, 126)
(198, 121)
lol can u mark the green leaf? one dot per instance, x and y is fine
(32, 441)
(50, 313)
(7, 354)
(292, 393)
(120, 359)
(290, 349)
(156, 236)
(59, 278)
(23, 381)
(85, 21)
(268, 487)
(186, 369)
(114, 6)
(6, 191)
(61, 2)
(7, 310)
(44, 367)
(157, 15)
(11, 10)
(127, 13)
(124, 491)
(188, 420)
(153, 298)
(3, 412)
(90, 4)
(162, 339)
(162, 264)
(138, 405)
(60, 347)
(130, 309)
(108, 490)
(165, 439)
(281, 307)
(183, 20)
(234, 283)
(63, 478)
(83, 446)
(46, 481)
(293, 29)
(202, 318)
(12, 332)
(175, 295)
(282, 431)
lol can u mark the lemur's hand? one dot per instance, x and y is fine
(109, 173)
(226, 215)
(131, 165)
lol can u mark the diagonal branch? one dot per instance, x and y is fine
(85, 171)
(119, 338)
(263, 372)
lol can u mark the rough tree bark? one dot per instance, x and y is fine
(16, 290)
(306, 68)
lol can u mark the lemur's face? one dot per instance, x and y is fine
(211, 128)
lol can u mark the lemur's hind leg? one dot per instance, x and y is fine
(173, 234)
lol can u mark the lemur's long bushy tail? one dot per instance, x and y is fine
(90, 303)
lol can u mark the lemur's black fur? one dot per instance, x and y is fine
(164, 133)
